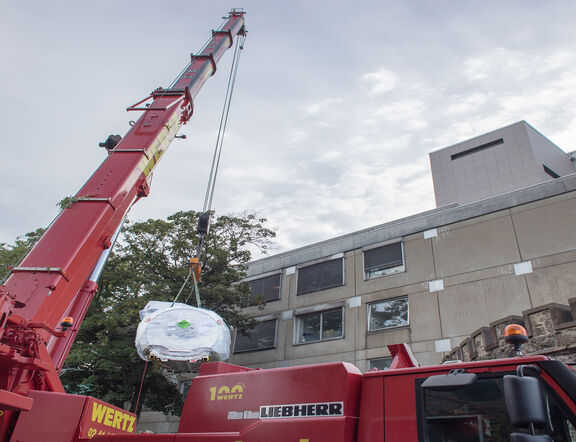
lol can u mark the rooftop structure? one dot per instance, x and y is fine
(497, 162)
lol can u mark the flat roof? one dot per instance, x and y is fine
(412, 224)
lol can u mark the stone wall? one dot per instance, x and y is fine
(550, 327)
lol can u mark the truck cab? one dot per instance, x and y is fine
(397, 406)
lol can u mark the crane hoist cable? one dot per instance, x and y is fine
(204, 218)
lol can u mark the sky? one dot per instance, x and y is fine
(336, 106)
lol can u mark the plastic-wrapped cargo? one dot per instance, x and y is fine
(181, 332)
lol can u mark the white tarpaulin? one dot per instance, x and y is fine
(181, 332)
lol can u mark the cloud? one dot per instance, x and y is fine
(380, 81)
(321, 106)
(514, 64)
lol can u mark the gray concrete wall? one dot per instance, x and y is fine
(546, 152)
(514, 164)
(494, 258)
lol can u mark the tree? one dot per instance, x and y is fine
(11, 255)
(151, 262)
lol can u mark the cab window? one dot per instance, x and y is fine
(477, 413)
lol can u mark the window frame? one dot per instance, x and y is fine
(260, 320)
(264, 276)
(547, 390)
(388, 358)
(388, 270)
(319, 262)
(368, 314)
(298, 325)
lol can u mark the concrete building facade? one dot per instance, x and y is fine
(429, 280)
(434, 280)
(497, 162)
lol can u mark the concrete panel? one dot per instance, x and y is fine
(395, 292)
(424, 316)
(547, 153)
(428, 358)
(478, 275)
(553, 260)
(552, 284)
(484, 244)
(467, 307)
(384, 338)
(325, 358)
(543, 228)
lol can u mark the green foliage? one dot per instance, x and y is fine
(11, 255)
(151, 262)
(66, 202)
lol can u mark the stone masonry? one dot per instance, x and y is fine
(550, 327)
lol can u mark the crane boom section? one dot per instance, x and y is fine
(49, 282)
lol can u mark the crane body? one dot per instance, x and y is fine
(57, 279)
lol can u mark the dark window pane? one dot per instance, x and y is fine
(388, 314)
(478, 413)
(380, 363)
(476, 149)
(320, 276)
(320, 326)
(332, 324)
(266, 289)
(310, 328)
(377, 261)
(260, 337)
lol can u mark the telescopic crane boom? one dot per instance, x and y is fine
(58, 278)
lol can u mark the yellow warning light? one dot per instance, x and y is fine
(514, 329)
(68, 321)
(515, 335)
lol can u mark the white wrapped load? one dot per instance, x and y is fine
(181, 332)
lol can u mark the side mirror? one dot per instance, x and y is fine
(524, 401)
(454, 380)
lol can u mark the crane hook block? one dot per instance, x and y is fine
(203, 224)
(196, 268)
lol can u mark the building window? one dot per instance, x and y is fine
(550, 172)
(379, 363)
(476, 149)
(383, 260)
(320, 276)
(265, 289)
(320, 326)
(185, 388)
(479, 412)
(388, 314)
(261, 337)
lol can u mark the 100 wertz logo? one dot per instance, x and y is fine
(225, 393)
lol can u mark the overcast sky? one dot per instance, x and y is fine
(336, 108)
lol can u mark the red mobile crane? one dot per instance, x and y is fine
(56, 281)
(523, 399)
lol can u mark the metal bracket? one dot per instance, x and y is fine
(91, 199)
(156, 94)
(42, 269)
(142, 151)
